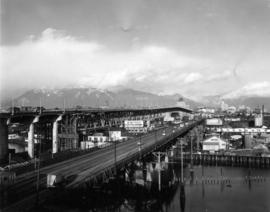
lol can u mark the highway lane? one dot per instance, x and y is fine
(63, 163)
(123, 153)
(86, 165)
(107, 154)
(85, 168)
(27, 182)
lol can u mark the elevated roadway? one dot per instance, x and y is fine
(49, 126)
(81, 169)
(55, 112)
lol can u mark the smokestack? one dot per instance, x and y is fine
(262, 114)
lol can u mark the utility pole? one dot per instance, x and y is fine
(9, 161)
(38, 172)
(156, 137)
(182, 187)
(158, 166)
(191, 151)
(12, 106)
(64, 104)
(115, 167)
(159, 173)
(40, 105)
(140, 147)
(182, 166)
(191, 170)
(114, 141)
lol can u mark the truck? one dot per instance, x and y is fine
(59, 180)
(54, 180)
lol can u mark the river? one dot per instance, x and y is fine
(157, 187)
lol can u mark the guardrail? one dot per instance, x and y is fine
(48, 158)
(144, 151)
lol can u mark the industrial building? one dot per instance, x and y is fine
(214, 144)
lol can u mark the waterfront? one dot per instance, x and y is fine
(213, 188)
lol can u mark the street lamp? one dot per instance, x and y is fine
(113, 138)
(38, 170)
(115, 155)
(156, 138)
(140, 147)
(182, 166)
(191, 157)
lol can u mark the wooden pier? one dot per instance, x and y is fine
(224, 160)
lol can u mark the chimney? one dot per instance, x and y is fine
(262, 113)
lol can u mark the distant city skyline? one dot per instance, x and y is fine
(195, 48)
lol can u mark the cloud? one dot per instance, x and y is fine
(261, 89)
(192, 77)
(56, 60)
(219, 76)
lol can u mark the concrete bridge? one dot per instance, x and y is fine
(82, 169)
(56, 127)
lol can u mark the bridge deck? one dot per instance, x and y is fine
(90, 165)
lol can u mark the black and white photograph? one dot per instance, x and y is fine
(134, 105)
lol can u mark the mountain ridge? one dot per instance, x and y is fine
(125, 98)
(92, 97)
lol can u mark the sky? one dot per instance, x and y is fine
(191, 47)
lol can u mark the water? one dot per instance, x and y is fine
(211, 189)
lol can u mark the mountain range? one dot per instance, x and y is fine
(92, 97)
(125, 98)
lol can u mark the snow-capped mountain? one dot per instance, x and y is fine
(92, 97)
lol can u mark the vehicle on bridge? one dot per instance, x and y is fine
(58, 180)
(26, 109)
(54, 180)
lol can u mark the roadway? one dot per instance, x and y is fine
(82, 167)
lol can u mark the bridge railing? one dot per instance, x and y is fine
(136, 155)
(48, 158)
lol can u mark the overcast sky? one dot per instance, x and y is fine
(191, 47)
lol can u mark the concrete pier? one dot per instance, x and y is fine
(3, 140)
(31, 141)
(55, 142)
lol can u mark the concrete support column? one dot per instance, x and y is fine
(3, 140)
(31, 142)
(102, 121)
(76, 136)
(115, 122)
(55, 141)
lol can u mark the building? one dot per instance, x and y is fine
(116, 135)
(224, 106)
(206, 112)
(135, 126)
(231, 110)
(214, 144)
(259, 119)
(100, 140)
(214, 122)
(87, 145)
